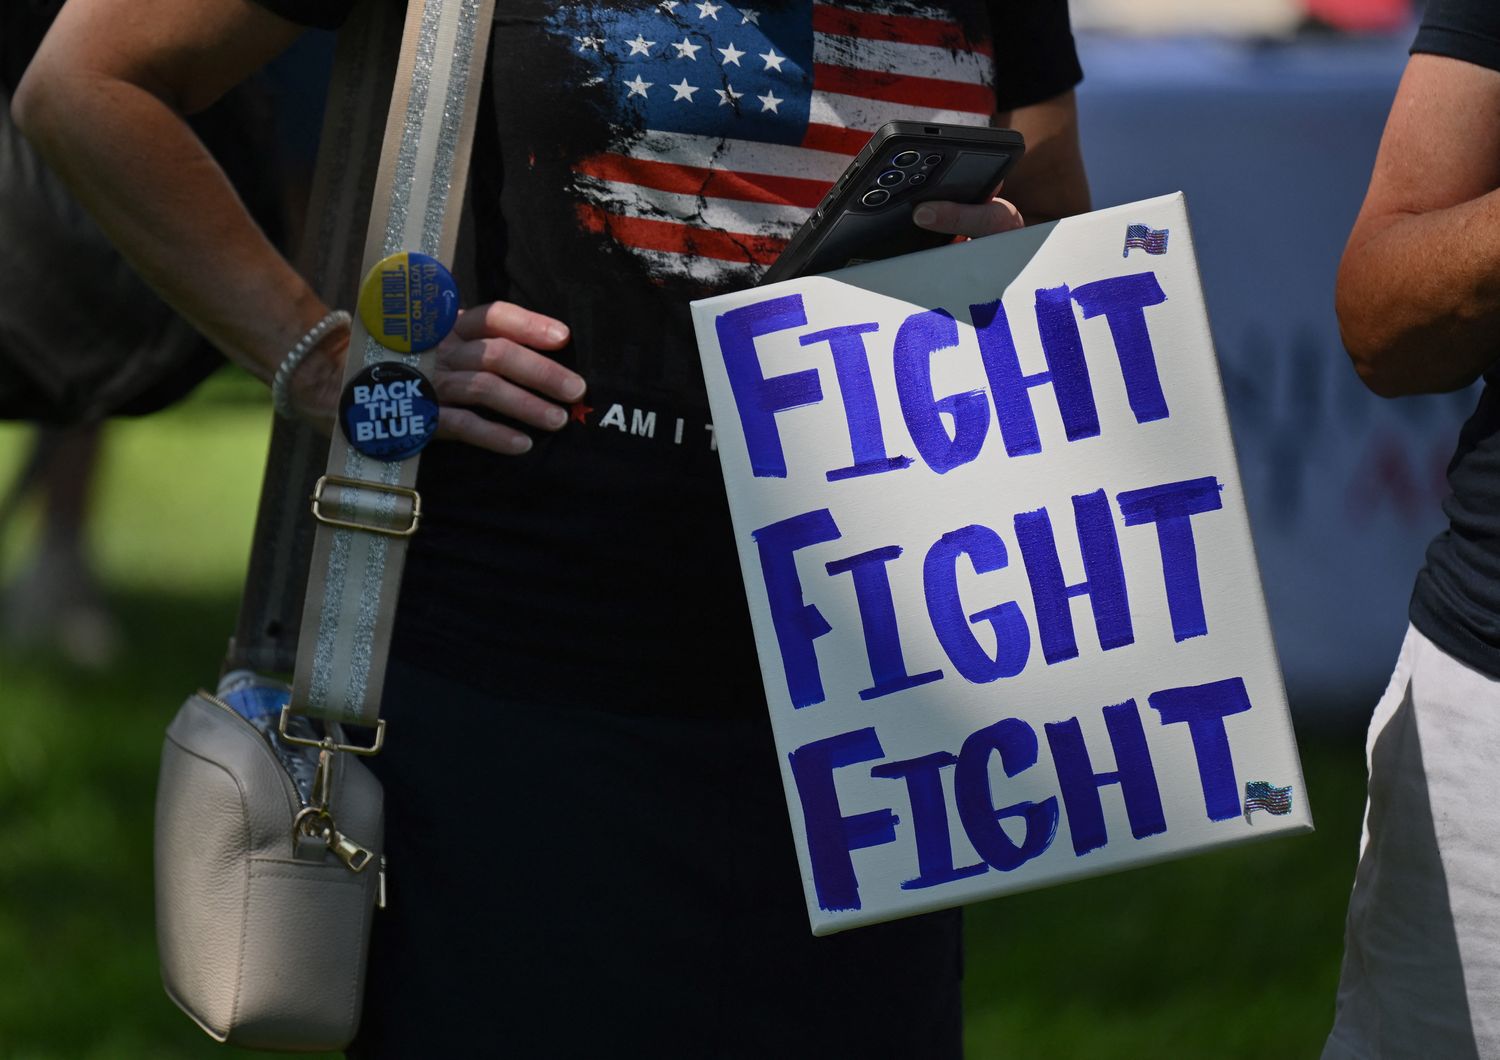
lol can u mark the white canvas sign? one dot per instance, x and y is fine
(999, 565)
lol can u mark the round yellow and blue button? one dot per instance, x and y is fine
(408, 302)
(389, 411)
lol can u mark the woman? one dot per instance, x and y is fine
(554, 637)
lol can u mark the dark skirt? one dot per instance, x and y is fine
(567, 882)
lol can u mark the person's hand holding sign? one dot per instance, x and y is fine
(489, 361)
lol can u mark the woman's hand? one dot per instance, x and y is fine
(488, 361)
(965, 219)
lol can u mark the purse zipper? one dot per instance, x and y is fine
(287, 784)
(354, 856)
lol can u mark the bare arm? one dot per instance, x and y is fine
(1418, 294)
(104, 101)
(1048, 183)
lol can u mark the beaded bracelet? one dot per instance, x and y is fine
(281, 400)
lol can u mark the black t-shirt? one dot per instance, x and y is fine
(632, 156)
(1456, 601)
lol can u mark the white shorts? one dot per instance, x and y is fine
(1421, 972)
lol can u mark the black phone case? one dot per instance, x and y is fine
(844, 229)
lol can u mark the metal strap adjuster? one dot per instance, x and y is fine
(374, 487)
(328, 743)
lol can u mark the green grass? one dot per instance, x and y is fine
(1233, 954)
(1229, 954)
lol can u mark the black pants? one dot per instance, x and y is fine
(566, 882)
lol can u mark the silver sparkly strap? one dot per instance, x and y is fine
(359, 90)
(355, 573)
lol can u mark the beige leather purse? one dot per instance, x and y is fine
(269, 830)
(263, 897)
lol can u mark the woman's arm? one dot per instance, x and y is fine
(104, 101)
(1418, 293)
(1049, 182)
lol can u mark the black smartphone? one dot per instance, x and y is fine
(866, 215)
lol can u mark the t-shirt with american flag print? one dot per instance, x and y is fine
(637, 154)
(630, 156)
(710, 173)
(699, 135)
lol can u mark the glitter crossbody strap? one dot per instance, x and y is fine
(366, 504)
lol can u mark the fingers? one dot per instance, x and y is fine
(467, 426)
(483, 390)
(964, 219)
(510, 321)
(516, 363)
(489, 363)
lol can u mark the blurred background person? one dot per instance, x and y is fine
(56, 603)
(82, 337)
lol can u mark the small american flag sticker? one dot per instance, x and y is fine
(1263, 795)
(1151, 240)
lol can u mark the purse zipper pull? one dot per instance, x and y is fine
(354, 856)
(380, 900)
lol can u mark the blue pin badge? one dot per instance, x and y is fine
(389, 411)
(408, 302)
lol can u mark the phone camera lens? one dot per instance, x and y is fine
(918, 179)
(905, 158)
(875, 197)
(932, 160)
(890, 178)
